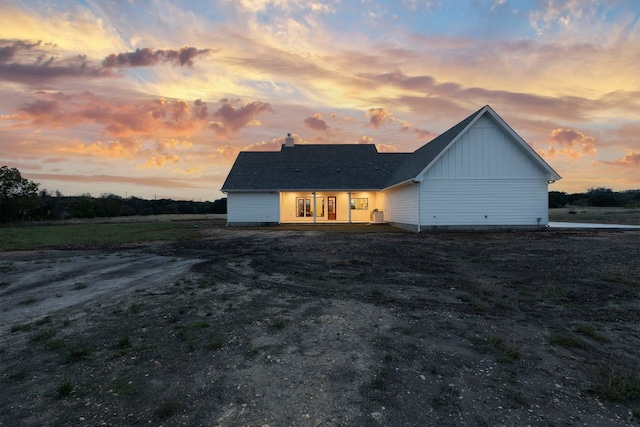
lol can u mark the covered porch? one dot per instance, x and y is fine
(346, 207)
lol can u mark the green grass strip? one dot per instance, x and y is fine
(22, 238)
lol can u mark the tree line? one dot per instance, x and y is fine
(21, 200)
(598, 197)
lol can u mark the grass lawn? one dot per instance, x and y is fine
(627, 216)
(132, 230)
(31, 237)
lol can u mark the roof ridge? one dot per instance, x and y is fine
(424, 155)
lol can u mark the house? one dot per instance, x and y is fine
(478, 174)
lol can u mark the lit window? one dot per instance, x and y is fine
(360, 204)
(304, 207)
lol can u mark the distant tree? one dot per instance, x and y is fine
(603, 197)
(18, 195)
(557, 199)
(219, 206)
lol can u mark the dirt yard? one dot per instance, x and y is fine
(322, 327)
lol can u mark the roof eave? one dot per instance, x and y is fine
(402, 183)
(282, 190)
(453, 141)
(539, 160)
(487, 109)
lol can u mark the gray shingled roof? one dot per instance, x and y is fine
(313, 167)
(334, 167)
(419, 159)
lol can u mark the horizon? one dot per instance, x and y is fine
(156, 99)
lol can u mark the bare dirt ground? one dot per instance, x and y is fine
(320, 327)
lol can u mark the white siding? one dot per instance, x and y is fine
(253, 208)
(402, 205)
(485, 151)
(484, 202)
(485, 179)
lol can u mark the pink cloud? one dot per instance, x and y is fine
(631, 160)
(423, 134)
(570, 143)
(148, 117)
(315, 122)
(234, 115)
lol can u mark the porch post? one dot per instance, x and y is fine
(349, 206)
(314, 207)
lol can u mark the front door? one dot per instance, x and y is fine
(331, 208)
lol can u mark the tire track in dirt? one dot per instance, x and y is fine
(37, 285)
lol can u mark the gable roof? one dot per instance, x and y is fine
(423, 156)
(313, 167)
(352, 166)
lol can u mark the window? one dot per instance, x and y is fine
(360, 204)
(304, 207)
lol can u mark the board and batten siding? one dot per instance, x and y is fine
(253, 208)
(402, 206)
(485, 179)
(485, 151)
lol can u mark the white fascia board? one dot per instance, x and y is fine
(453, 141)
(554, 176)
(250, 191)
(328, 190)
(403, 183)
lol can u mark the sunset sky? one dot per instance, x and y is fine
(156, 98)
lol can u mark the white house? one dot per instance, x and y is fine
(478, 174)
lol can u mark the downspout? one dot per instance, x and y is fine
(419, 206)
(315, 211)
(349, 207)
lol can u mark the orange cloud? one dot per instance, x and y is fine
(315, 122)
(631, 160)
(155, 182)
(377, 117)
(364, 139)
(159, 161)
(228, 152)
(194, 170)
(273, 145)
(172, 143)
(386, 148)
(124, 147)
(570, 143)
(131, 148)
